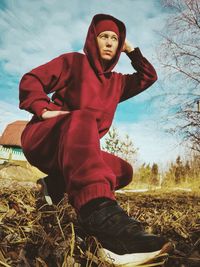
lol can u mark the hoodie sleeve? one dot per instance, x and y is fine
(145, 76)
(35, 85)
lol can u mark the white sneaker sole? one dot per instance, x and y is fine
(135, 259)
(45, 192)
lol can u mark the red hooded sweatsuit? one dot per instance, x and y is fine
(69, 145)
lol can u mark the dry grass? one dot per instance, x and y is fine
(19, 171)
(175, 215)
(33, 234)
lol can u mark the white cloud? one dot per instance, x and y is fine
(33, 32)
(36, 32)
(11, 113)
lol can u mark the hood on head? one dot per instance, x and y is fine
(91, 47)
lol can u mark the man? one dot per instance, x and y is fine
(63, 137)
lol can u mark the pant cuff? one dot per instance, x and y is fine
(91, 192)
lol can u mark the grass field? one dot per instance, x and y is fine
(34, 234)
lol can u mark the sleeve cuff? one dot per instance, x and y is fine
(135, 54)
(38, 106)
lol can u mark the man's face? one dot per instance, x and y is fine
(108, 43)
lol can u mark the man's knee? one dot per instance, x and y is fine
(121, 168)
(129, 171)
(128, 174)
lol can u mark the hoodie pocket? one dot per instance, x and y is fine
(104, 119)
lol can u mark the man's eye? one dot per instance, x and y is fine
(102, 36)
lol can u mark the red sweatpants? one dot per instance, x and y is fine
(68, 146)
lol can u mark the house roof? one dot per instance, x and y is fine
(12, 134)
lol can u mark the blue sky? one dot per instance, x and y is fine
(34, 32)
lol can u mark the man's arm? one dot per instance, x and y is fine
(144, 77)
(35, 85)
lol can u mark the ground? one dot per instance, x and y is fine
(33, 234)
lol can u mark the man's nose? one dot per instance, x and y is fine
(109, 42)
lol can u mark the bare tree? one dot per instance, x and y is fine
(179, 54)
(190, 129)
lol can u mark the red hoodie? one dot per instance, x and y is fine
(79, 81)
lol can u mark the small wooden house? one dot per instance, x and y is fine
(10, 142)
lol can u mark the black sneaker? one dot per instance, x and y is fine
(122, 238)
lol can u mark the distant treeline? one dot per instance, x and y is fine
(180, 172)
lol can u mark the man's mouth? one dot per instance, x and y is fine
(107, 52)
